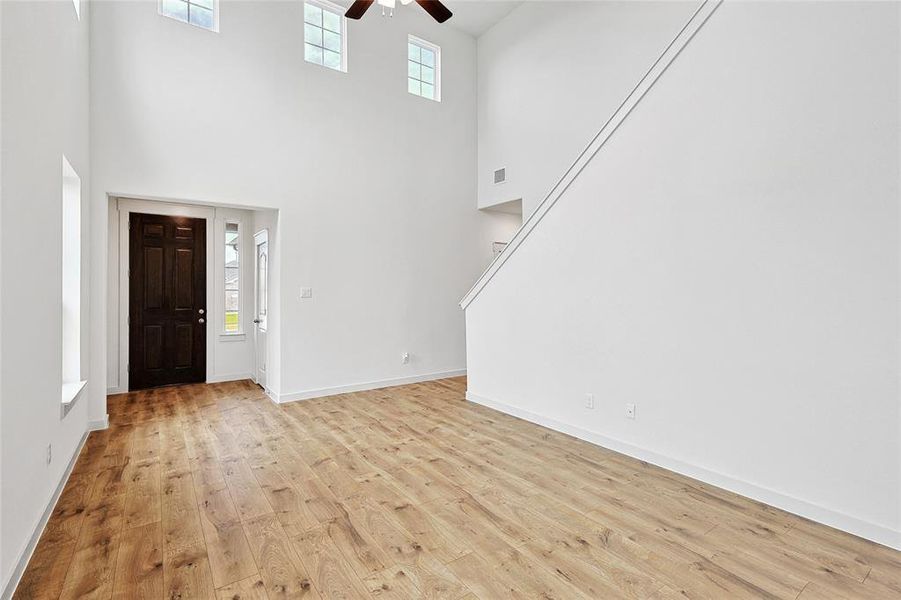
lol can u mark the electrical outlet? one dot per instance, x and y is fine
(405, 358)
(306, 292)
(589, 400)
(630, 411)
(49, 453)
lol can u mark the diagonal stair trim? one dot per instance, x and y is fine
(666, 58)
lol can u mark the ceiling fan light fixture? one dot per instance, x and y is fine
(438, 11)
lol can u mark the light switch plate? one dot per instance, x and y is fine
(306, 292)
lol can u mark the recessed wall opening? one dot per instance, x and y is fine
(183, 282)
(71, 371)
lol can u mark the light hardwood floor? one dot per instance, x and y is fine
(212, 491)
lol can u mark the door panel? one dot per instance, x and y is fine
(184, 345)
(153, 278)
(167, 297)
(153, 347)
(184, 278)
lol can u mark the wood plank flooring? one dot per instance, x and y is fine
(212, 491)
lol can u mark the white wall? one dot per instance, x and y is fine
(374, 186)
(2, 552)
(44, 116)
(549, 75)
(729, 262)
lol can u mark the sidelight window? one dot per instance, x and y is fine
(232, 278)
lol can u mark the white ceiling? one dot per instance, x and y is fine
(475, 17)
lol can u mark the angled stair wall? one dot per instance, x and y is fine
(724, 255)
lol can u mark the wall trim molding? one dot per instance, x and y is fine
(647, 81)
(820, 514)
(273, 395)
(99, 424)
(16, 576)
(229, 377)
(362, 387)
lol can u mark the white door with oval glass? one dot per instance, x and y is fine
(261, 304)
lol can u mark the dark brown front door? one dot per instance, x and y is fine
(167, 301)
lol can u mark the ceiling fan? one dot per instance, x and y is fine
(438, 11)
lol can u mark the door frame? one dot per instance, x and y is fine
(262, 234)
(125, 207)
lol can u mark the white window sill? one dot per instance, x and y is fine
(70, 393)
(232, 337)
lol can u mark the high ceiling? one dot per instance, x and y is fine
(475, 17)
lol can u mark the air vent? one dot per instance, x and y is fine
(500, 176)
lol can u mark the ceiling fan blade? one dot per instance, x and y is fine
(358, 8)
(438, 11)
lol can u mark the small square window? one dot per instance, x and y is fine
(324, 34)
(202, 13)
(423, 69)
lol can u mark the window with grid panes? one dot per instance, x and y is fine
(323, 34)
(202, 13)
(423, 68)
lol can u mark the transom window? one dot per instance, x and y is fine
(323, 34)
(203, 13)
(423, 69)
(232, 278)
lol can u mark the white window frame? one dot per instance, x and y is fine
(339, 10)
(214, 28)
(418, 41)
(241, 251)
(71, 279)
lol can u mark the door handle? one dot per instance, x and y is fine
(200, 320)
(201, 311)
(256, 321)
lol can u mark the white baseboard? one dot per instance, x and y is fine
(362, 387)
(229, 377)
(273, 395)
(114, 390)
(99, 424)
(25, 556)
(859, 527)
